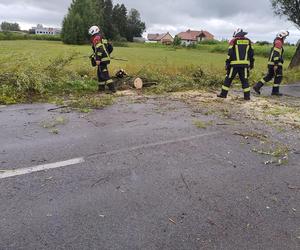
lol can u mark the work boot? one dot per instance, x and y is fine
(257, 87)
(247, 96)
(112, 88)
(277, 94)
(101, 88)
(223, 94)
(275, 91)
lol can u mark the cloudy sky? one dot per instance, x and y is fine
(220, 17)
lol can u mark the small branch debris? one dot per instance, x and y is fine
(185, 183)
(171, 220)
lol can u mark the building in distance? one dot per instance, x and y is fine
(41, 30)
(165, 38)
(193, 36)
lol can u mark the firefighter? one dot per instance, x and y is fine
(101, 59)
(240, 59)
(275, 69)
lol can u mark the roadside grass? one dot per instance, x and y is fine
(202, 124)
(40, 70)
(279, 154)
(86, 103)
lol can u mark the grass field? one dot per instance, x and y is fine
(43, 68)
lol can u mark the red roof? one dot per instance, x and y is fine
(193, 35)
(156, 37)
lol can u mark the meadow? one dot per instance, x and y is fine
(38, 70)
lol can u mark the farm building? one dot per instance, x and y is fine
(192, 36)
(165, 38)
(41, 30)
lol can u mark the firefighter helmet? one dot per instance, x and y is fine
(239, 32)
(283, 34)
(94, 30)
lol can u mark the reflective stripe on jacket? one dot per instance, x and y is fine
(240, 53)
(100, 51)
(276, 54)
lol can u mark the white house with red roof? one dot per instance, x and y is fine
(165, 38)
(192, 36)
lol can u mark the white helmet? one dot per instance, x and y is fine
(239, 32)
(283, 34)
(94, 30)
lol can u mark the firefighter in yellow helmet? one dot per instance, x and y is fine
(275, 69)
(101, 58)
(240, 59)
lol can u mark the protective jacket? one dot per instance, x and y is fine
(240, 53)
(101, 49)
(276, 55)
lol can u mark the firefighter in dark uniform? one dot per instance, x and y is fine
(275, 69)
(101, 59)
(240, 59)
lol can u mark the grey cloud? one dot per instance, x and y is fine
(219, 17)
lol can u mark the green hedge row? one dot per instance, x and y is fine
(24, 36)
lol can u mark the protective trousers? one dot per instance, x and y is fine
(103, 75)
(272, 74)
(232, 72)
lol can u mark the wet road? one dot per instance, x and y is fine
(139, 176)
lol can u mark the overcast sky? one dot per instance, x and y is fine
(220, 17)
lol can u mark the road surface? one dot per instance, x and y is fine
(140, 176)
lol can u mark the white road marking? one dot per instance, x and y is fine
(23, 171)
(151, 145)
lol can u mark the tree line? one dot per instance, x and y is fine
(6, 26)
(115, 21)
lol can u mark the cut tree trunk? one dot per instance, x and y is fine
(296, 59)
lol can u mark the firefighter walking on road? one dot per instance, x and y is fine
(101, 59)
(275, 65)
(240, 59)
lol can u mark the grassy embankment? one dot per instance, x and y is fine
(39, 70)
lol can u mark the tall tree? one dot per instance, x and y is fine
(108, 28)
(135, 26)
(114, 21)
(119, 17)
(291, 10)
(81, 15)
(99, 11)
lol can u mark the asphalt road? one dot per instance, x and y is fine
(289, 90)
(147, 179)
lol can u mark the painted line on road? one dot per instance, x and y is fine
(23, 171)
(151, 145)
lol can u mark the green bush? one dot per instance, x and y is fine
(120, 44)
(25, 36)
(210, 42)
(35, 79)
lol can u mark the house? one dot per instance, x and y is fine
(192, 36)
(41, 30)
(165, 38)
